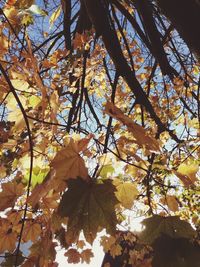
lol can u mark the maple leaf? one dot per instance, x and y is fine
(45, 255)
(12, 14)
(80, 244)
(73, 256)
(30, 262)
(187, 173)
(7, 240)
(86, 255)
(79, 40)
(141, 136)
(115, 250)
(172, 226)
(2, 171)
(172, 203)
(106, 171)
(68, 163)
(90, 207)
(32, 231)
(10, 192)
(23, 4)
(27, 20)
(107, 242)
(38, 175)
(10, 260)
(126, 193)
(179, 252)
(14, 216)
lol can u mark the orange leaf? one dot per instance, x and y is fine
(10, 192)
(8, 241)
(68, 163)
(141, 136)
(83, 143)
(32, 231)
(172, 203)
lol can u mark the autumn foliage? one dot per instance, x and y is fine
(99, 109)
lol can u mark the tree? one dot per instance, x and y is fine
(100, 114)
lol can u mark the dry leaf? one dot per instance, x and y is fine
(10, 192)
(68, 163)
(142, 138)
(86, 255)
(73, 256)
(187, 173)
(31, 231)
(172, 203)
(7, 240)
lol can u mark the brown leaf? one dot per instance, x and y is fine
(73, 256)
(184, 179)
(86, 255)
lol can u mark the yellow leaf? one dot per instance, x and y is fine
(20, 84)
(172, 203)
(186, 172)
(54, 16)
(189, 170)
(126, 193)
(17, 117)
(27, 20)
(142, 138)
(14, 112)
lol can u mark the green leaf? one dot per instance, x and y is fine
(89, 206)
(106, 170)
(34, 101)
(171, 226)
(38, 175)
